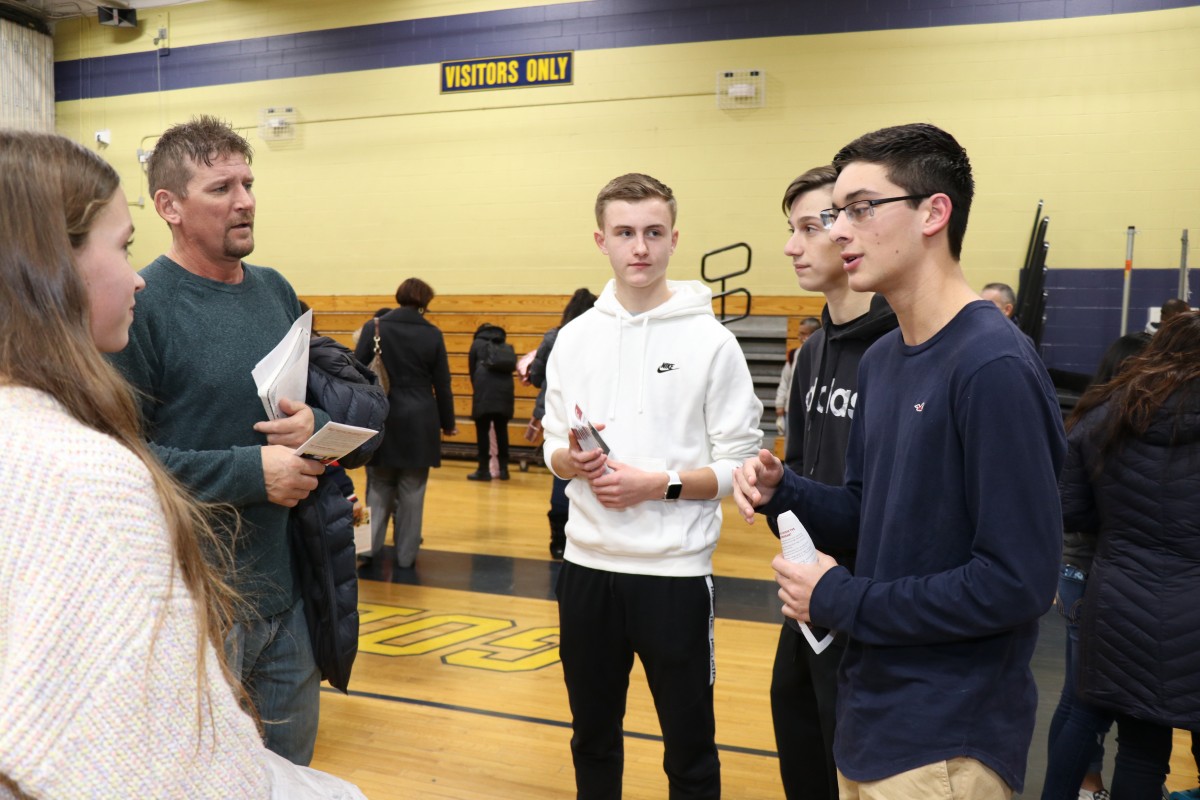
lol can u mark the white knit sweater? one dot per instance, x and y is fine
(94, 702)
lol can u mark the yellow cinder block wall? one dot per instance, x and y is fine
(491, 192)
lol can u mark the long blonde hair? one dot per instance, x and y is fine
(52, 190)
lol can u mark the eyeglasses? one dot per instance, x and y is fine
(861, 210)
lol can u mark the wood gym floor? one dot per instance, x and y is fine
(457, 690)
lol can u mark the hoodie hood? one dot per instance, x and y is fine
(490, 332)
(879, 319)
(688, 298)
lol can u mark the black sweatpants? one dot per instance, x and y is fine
(604, 619)
(803, 700)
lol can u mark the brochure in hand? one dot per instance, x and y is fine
(333, 441)
(586, 434)
(798, 548)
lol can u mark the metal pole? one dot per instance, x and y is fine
(1129, 234)
(1183, 268)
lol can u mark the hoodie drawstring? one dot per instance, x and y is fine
(642, 369)
(612, 406)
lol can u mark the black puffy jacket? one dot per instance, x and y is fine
(492, 392)
(1140, 635)
(322, 525)
(348, 391)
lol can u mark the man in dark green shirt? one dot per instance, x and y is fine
(202, 323)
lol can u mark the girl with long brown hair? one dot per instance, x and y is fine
(112, 602)
(1132, 478)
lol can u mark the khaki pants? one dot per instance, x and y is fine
(956, 779)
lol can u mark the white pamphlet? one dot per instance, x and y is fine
(283, 372)
(586, 434)
(798, 548)
(333, 441)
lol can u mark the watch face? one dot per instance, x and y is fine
(674, 490)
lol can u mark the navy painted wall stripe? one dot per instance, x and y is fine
(590, 25)
(1083, 310)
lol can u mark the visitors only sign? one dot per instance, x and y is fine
(508, 72)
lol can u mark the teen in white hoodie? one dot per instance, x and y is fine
(669, 388)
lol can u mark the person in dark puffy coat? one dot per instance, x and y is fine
(491, 403)
(1076, 743)
(560, 506)
(1132, 476)
(421, 407)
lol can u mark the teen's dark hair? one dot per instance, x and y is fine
(580, 302)
(921, 159)
(815, 178)
(1167, 370)
(414, 293)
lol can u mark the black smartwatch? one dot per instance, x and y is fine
(674, 486)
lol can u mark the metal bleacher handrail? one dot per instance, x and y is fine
(725, 319)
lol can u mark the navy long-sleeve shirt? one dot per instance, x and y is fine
(951, 493)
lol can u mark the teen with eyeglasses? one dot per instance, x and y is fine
(824, 392)
(950, 495)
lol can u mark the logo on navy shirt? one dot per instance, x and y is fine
(919, 407)
(666, 367)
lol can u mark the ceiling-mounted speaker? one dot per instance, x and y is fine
(117, 17)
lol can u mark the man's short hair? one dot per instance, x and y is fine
(196, 142)
(815, 178)
(921, 159)
(1171, 308)
(1004, 290)
(415, 293)
(632, 188)
(812, 323)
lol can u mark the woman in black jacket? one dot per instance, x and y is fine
(414, 354)
(1132, 476)
(492, 400)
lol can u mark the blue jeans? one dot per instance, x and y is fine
(274, 659)
(1077, 729)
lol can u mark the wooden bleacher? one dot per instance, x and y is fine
(526, 318)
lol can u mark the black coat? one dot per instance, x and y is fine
(537, 370)
(493, 391)
(349, 392)
(322, 525)
(422, 403)
(1140, 635)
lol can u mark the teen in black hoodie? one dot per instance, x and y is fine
(824, 394)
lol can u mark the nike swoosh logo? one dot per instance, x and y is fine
(667, 368)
